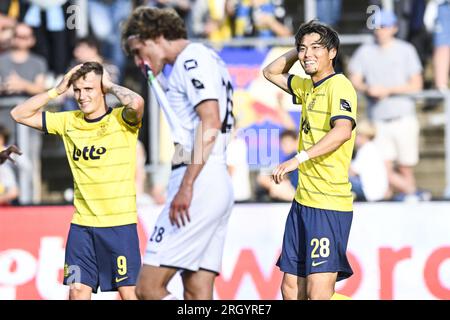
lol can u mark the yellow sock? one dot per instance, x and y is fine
(338, 296)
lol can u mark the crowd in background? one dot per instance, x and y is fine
(41, 39)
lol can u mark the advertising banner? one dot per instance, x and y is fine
(397, 251)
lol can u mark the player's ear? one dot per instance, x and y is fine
(332, 53)
(101, 85)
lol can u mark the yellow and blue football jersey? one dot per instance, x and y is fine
(102, 158)
(323, 181)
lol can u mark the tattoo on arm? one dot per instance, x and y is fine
(126, 98)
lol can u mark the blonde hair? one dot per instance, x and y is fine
(366, 128)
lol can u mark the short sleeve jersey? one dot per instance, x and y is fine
(198, 75)
(323, 181)
(102, 157)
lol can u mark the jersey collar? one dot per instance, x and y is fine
(99, 118)
(318, 83)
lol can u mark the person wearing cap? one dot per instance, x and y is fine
(368, 174)
(385, 71)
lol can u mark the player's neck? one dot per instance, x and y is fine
(98, 113)
(175, 47)
(322, 75)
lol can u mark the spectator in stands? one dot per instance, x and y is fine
(88, 49)
(14, 9)
(214, 19)
(384, 71)
(11, 12)
(48, 20)
(285, 190)
(258, 18)
(9, 190)
(289, 146)
(6, 32)
(105, 17)
(437, 20)
(329, 11)
(22, 72)
(368, 174)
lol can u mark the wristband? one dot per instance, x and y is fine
(52, 93)
(301, 156)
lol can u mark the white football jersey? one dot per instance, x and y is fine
(199, 74)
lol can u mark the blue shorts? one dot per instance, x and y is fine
(315, 241)
(108, 257)
(441, 36)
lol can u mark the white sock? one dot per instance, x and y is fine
(169, 297)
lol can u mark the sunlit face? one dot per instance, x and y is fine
(313, 56)
(147, 51)
(89, 95)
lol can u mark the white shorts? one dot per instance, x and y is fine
(199, 244)
(398, 140)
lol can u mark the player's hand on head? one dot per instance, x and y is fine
(65, 82)
(284, 168)
(179, 208)
(106, 81)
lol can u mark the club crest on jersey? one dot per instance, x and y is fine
(88, 153)
(102, 130)
(345, 105)
(197, 84)
(311, 104)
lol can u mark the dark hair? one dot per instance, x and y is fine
(4, 132)
(150, 23)
(289, 133)
(328, 36)
(87, 67)
(90, 42)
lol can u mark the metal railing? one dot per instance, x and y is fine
(27, 192)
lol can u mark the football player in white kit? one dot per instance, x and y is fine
(190, 232)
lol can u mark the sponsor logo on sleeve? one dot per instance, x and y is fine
(197, 84)
(345, 105)
(190, 64)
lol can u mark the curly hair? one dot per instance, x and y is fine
(150, 23)
(328, 37)
(87, 67)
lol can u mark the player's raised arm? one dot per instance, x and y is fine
(277, 71)
(29, 112)
(134, 103)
